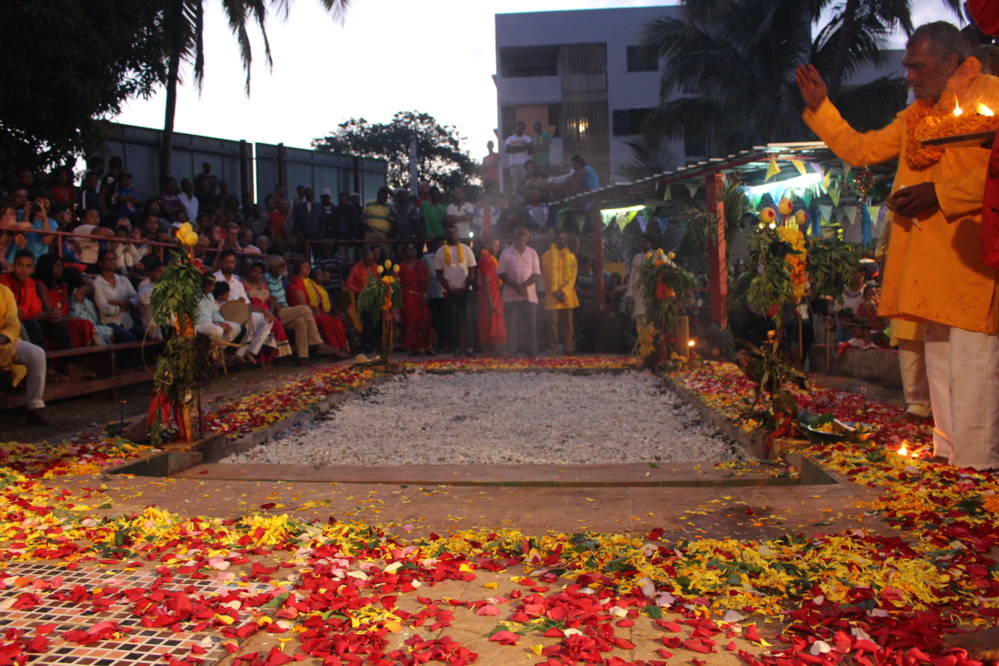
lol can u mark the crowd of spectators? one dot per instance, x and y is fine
(81, 258)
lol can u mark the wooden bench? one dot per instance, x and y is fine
(103, 362)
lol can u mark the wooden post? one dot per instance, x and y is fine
(718, 270)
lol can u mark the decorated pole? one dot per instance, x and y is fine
(717, 252)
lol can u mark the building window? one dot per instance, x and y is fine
(641, 60)
(578, 126)
(628, 122)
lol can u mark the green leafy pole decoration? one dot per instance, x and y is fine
(376, 301)
(667, 291)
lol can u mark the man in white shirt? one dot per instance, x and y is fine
(518, 149)
(188, 199)
(455, 269)
(519, 269)
(460, 213)
(261, 320)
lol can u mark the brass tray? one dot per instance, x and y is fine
(963, 140)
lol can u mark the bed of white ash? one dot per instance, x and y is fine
(503, 418)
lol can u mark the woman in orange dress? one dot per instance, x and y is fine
(492, 330)
(413, 278)
(302, 290)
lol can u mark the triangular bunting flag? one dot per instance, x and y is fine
(826, 178)
(772, 169)
(807, 197)
(663, 221)
(850, 214)
(874, 211)
(692, 188)
(834, 195)
(800, 166)
(580, 222)
(668, 196)
(826, 213)
(643, 221)
(846, 169)
(817, 168)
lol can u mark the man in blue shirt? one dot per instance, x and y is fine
(584, 174)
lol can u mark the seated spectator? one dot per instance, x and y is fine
(39, 320)
(127, 254)
(63, 190)
(153, 208)
(207, 318)
(843, 323)
(584, 175)
(260, 323)
(88, 196)
(154, 271)
(245, 238)
(81, 303)
(276, 345)
(303, 290)
(299, 318)
(858, 337)
(87, 247)
(37, 213)
(49, 274)
(14, 352)
(116, 300)
(537, 212)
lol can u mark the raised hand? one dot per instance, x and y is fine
(813, 88)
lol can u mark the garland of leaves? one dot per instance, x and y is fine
(667, 291)
(831, 264)
(779, 255)
(379, 297)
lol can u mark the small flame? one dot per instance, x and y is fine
(902, 451)
(692, 343)
(984, 110)
(957, 107)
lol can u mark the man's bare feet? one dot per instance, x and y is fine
(980, 645)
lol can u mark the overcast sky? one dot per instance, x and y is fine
(386, 57)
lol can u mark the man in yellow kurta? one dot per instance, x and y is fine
(933, 273)
(559, 270)
(22, 359)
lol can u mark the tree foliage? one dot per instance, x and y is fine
(441, 160)
(734, 60)
(68, 64)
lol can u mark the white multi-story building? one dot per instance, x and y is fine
(581, 74)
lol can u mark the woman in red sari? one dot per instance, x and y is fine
(413, 280)
(492, 330)
(260, 297)
(302, 290)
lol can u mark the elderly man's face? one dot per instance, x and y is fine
(925, 72)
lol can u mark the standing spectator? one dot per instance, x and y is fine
(491, 169)
(519, 268)
(170, 203)
(460, 213)
(559, 270)
(13, 350)
(109, 187)
(327, 212)
(376, 218)
(298, 319)
(205, 184)
(434, 215)
(413, 278)
(260, 324)
(63, 190)
(88, 196)
(116, 300)
(346, 228)
(492, 328)
(405, 217)
(187, 199)
(486, 217)
(128, 200)
(455, 268)
(518, 148)
(224, 201)
(307, 217)
(435, 295)
(154, 271)
(541, 147)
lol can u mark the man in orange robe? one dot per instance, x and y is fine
(933, 272)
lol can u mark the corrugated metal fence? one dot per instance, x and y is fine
(256, 168)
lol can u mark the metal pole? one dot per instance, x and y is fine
(414, 167)
(598, 250)
(716, 252)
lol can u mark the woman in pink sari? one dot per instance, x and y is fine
(260, 297)
(492, 330)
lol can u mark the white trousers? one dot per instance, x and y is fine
(963, 371)
(260, 328)
(33, 358)
(216, 332)
(915, 385)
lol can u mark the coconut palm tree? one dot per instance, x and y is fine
(733, 63)
(186, 28)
